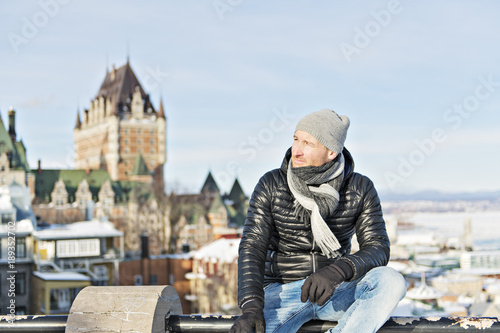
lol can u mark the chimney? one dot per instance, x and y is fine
(12, 124)
(144, 246)
(145, 262)
(113, 73)
(39, 167)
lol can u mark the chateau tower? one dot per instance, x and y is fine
(120, 125)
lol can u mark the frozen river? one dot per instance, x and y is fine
(485, 225)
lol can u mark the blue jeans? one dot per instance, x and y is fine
(359, 306)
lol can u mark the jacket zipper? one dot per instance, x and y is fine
(272, 262)
(313, 257)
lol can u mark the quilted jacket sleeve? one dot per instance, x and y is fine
(374, 245)
(254, 243)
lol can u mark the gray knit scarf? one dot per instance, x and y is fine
(313, 202)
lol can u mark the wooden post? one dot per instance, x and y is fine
(123, 309)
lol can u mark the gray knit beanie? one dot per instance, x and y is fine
(327, 127)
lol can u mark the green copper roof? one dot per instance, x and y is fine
(133, 190)
(236, 194)
(5, 140)
(15, 150)
(210, 184)
(124, 190)
(46, 179)
(140, 168)
(19, 159)
(217, 203)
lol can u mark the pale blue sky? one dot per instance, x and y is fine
(420, 81)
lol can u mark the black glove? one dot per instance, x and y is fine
(251, 319)
(319, 286)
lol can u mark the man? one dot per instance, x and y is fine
(295, 262)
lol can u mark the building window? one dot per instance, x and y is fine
(20, 283)
(139, 131)
(102, 277)
(152, 141)
(21, 247)
(78, 248)
(61, 299)
(137, 280)
(139, 141)
(211, 268)
(21, 311)
(153, 279)
(7, 217)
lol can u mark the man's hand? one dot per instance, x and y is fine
(319, 286)
(251, 320)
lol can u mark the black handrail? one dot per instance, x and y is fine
(212, 324)
(26, 324)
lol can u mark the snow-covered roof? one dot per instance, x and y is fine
(61, 276)
(222, 250)
(85, 229)
(477, 271)
(193, 276)
(399, 266)
(423, 292)
(23, 227)
(185, 256)
(5, 200)
(493, 289)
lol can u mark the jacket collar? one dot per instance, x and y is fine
(348, 166)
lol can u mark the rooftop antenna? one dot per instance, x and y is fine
(128, 50)
(107, 61)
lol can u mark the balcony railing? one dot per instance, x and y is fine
(158, 309)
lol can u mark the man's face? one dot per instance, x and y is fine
(307, 151)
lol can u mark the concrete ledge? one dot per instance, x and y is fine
(123, 309)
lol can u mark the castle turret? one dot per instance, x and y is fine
(12, 124)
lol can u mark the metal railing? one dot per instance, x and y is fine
(212, 324)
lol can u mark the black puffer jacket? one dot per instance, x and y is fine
(276, 247)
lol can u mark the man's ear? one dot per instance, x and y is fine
(331, 155)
